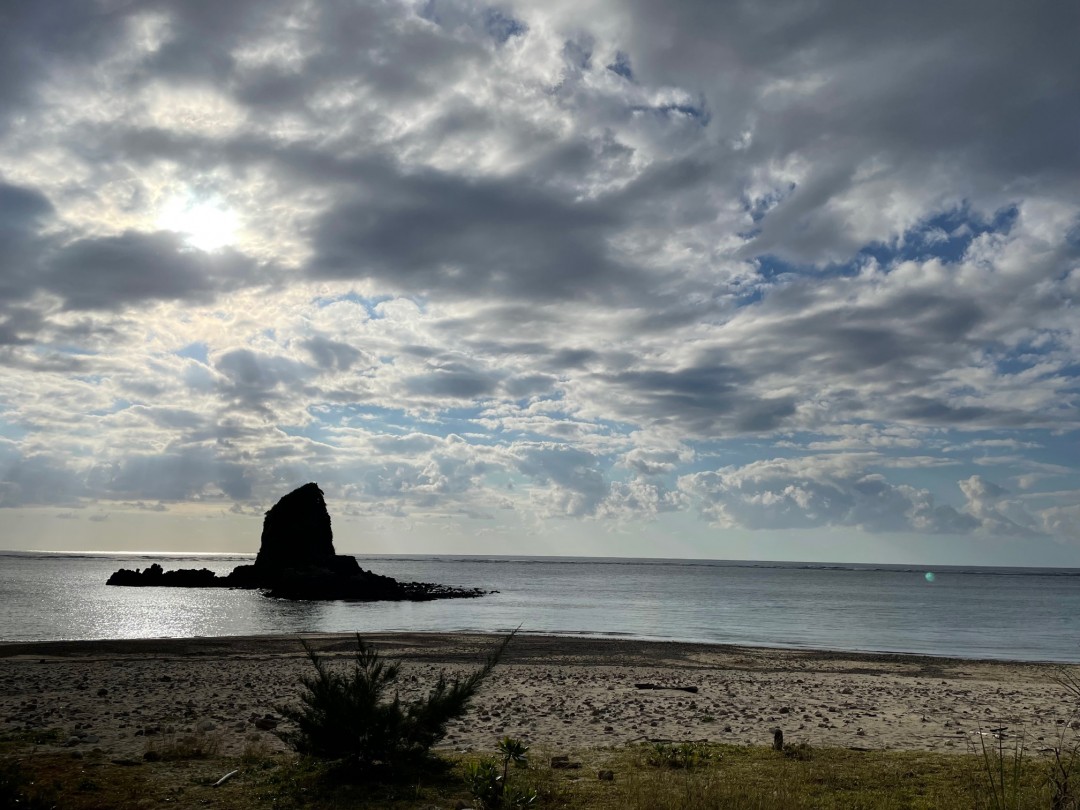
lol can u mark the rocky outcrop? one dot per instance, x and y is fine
(155, 575)
(296, 532)
(297, 560)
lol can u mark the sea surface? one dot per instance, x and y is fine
(1004, 613)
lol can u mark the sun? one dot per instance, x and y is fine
(205, 224)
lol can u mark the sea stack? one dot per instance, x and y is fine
(297, 560)
(296, 532)
(296, 555)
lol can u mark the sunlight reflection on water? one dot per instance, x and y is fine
(969, 614)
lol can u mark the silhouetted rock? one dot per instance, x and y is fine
(296, 560)
(154, 575)
(296, 532)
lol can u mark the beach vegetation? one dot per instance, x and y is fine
(1003, 771)
(801, 751)
(678, 755)
(184, 745)
(351, 717)
(732, 776)
(256, 751)
(490, 785)
(1064, 769)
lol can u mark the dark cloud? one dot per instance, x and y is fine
(529, 385)
(35, 38)
(185, 475)
(702, 400)
(23, 213)
(924, 92)
(454, 380)
(432, 232)
(22, 208)
(19, 326)
(332, 355)
(37, 480)
(252, 380)
(113, 272)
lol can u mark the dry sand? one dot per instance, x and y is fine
(561, 693)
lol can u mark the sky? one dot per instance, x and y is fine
(728, 280)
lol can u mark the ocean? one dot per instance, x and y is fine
(1023, 614)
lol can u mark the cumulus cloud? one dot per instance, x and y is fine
(995, 510)
(818, 491)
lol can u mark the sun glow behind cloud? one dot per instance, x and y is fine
(206, 224)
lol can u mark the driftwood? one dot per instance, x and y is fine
(226, 778)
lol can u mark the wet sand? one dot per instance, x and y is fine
(124, 697)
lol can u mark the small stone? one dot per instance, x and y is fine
(266, 723)
(204, 726)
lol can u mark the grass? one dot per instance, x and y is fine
(185, 745)
(721, 776)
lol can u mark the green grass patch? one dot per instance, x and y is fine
(718, 776)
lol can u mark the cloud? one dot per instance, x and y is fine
(117, 271)
(818, 491)
(997, 513)
(183, 475)
(438, 233)
(776, 266)
(453, 380)
(332, 354)
(250, 380)
(578, 484)
(38, 480)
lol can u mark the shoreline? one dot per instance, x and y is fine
(71, 647)
(559, 692)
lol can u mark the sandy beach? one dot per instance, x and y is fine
(561, 693)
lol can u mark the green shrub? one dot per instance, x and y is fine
(346, 716)
(484, 782)
(493, 789)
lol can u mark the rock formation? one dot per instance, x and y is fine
(154, 575)
(296, 560)
(296, 532)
